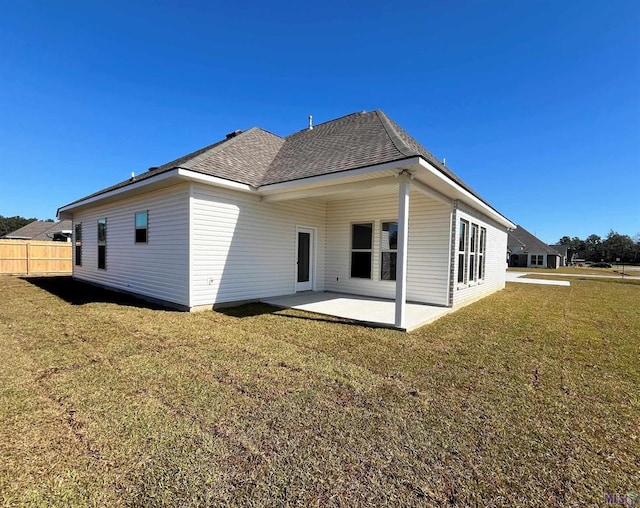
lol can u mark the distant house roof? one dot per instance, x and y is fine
(563, 250)
(520, 237)
(257, 157)
(39, 230)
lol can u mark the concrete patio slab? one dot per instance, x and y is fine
(516, 277)
(370, 311)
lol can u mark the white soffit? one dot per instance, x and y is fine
(433, 178)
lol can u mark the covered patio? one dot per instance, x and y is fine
(394, 181)
(367, 310)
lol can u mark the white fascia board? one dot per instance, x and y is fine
(177, 173)
(214, 180)
(122, 190)
(334, 177)
(467, 196)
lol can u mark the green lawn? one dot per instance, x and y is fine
(530, 397)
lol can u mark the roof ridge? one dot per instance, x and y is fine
(394, 136)
(209, 150)
(200, 161)
(363, 112)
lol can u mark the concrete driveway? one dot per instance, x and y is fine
(517, 277)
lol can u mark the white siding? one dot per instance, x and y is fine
(495, 264)
(428, 256)
(159, 268)
(245, 249)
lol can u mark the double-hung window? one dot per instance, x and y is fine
(361, 250)
(482, 246)
(473, 253)
(102, 244)
(388, 250)
(462, 251)
(142, 222)
(78, 243)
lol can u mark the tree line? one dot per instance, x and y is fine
(10, 224)
(610, 248)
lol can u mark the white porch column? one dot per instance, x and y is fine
(403, 235)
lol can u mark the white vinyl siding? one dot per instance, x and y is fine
(245, 249)
(493, 258)
(428, 256)
(157, 269)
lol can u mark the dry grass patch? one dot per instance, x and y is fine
(527, 398)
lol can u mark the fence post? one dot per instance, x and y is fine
(28, 263)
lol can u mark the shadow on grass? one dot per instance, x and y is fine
(247, 310)
(260, 309)
(76, 292)
(325, 319)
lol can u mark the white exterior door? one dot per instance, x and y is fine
(305, 255)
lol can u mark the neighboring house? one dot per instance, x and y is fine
(525, 250)
(563, 250)
(354, 205)
(43, 231)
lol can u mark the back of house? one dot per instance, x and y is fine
(354, 205)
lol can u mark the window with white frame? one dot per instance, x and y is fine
(102, 244)
(537, 259)
(482, 246)
(463, 232)
(361, 250)
(473, 253)
(141, 221)
(388, 250)
(78, 243)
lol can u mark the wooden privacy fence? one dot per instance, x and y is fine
(27, 257)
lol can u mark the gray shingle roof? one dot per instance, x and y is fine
(257, 157)
(529, 242)
(39, 230)
(563, 250)
(244, 158)
(353, 141)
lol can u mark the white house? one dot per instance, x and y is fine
(354, 205)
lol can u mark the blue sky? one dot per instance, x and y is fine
(535, 104)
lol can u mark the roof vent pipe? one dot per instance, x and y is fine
(234, 134)
(444, 161)
(310, 123)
